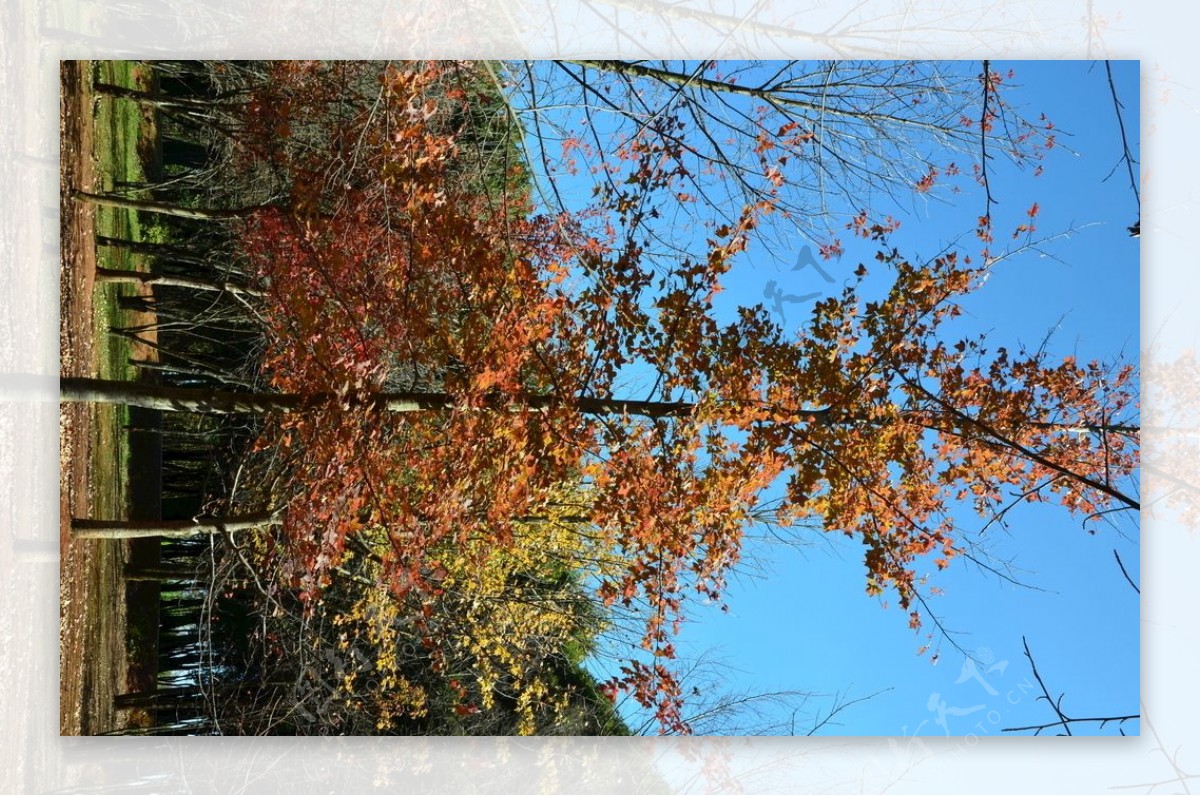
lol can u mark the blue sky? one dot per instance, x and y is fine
(804, 623)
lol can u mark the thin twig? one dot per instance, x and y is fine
(839, 707)
(1121, 564)
(1126, 155)
(983, 131)
(1064, 721)
(1045, 693)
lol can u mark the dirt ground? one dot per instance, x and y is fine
(92, 665)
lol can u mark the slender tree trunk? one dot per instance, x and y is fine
(116, 276)
(193, 373)
(186, 697)
(136, 529)
(182, 399)
(213, 114)
(159, 574)
(163, 208)
(161, 101)
(170, 728)
(176, 254)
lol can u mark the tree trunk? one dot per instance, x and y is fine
(182, 399)
(161, 101)
(160, 574)
(186, 697)
(115, 276)
(163, 208)
(136, 529)
(170, 728)
(195, 374)
(176, 254)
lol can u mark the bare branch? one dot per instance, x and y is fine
(1064, 721)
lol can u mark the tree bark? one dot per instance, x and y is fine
(161, 101)
(177, 254)
(187, 696)
(115, 276)
(203, 400)
(163, 208)
(161, 574)
(182, 399)
(136, 529)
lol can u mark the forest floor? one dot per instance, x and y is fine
(93, 662)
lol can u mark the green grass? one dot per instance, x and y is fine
(115, 132)
(117, 127)
(123, 151)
